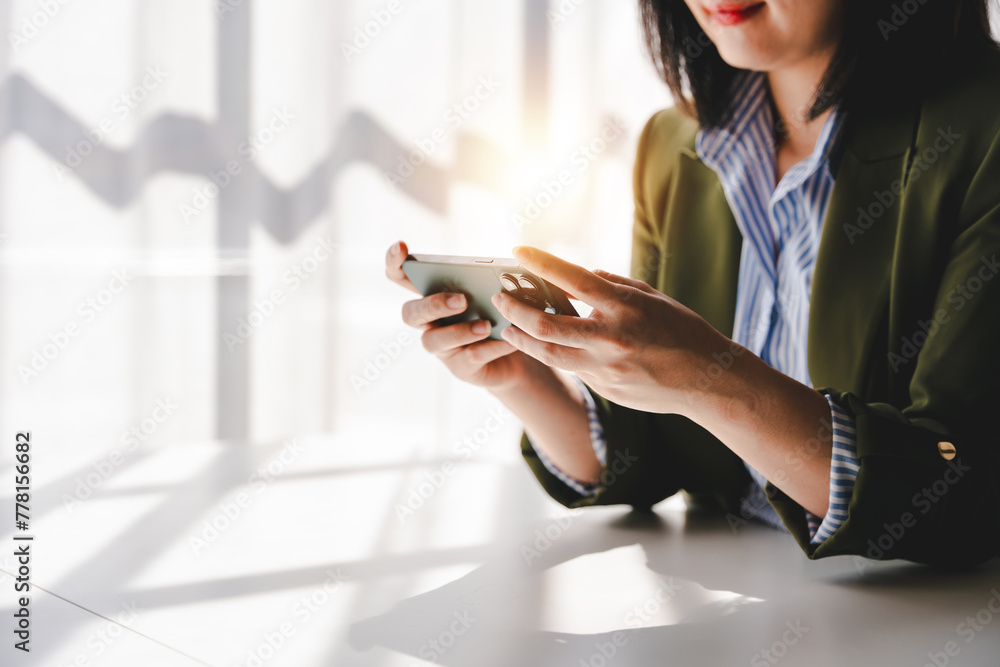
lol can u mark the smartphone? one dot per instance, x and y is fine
(479, 278)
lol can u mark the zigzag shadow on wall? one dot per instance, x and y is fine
(175, 143)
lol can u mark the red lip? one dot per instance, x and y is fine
(733, 14)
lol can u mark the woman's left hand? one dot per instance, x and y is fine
(638, 347)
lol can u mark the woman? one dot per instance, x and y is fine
(808, 333)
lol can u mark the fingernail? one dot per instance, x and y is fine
(481, 327)
(522, 253)
(506, 334)
(397, 248)
(456, 301)
(496, 300)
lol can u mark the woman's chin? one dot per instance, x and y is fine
(744, 56)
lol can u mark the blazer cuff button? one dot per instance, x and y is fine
(946, 450)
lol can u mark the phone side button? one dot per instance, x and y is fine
(484, 261)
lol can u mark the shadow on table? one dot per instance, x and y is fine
(662, 592)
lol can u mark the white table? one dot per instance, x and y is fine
(317, 568)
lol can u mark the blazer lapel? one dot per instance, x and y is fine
(850, 285)
(701, 225)
(851, 282)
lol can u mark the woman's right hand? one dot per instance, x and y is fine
(547, 403)
(465, 347)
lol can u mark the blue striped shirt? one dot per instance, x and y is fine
(780, 224)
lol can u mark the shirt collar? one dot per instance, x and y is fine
(746, 132)
(747, 113)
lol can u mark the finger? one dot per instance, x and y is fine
(589, 288)
(394, 258)
(622, 280)
(550, 354)
(562, 329)
(483, 352)
(437, 340)
(431, 308)
(625, 288)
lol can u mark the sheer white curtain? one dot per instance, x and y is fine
(195, 200)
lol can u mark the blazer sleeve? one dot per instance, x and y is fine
(928, 488)
(651, 456)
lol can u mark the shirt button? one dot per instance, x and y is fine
(946, 450)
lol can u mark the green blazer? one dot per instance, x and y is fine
(904, 325)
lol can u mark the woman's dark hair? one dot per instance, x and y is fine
(890, 51)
